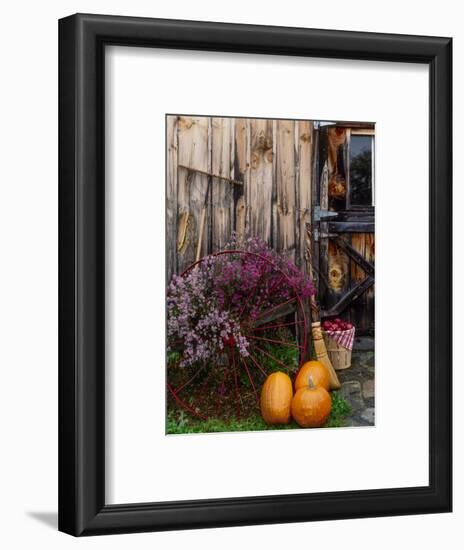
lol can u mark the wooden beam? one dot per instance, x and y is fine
(210, 174)
(363, 132)
(349, 297)
(278, 313)
(366, 266)
(352, 227)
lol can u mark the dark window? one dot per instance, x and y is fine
(361, 151)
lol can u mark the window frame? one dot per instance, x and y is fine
(358, 131)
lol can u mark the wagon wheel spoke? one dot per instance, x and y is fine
(276, 284)
(223, 385)
(270, 356)
(274, 308)
(257, 365)
(250, 378)
(280, 325)
(237, 397)
(190, 380)
(273, 341)
(197, 398)
(184, 404)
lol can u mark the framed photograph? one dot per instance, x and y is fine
(248, 253)
(255, 274)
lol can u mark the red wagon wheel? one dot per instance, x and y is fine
(271, 317)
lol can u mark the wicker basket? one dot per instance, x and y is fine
(338, 355)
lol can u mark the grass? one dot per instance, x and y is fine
(340, 410)
(180, 422)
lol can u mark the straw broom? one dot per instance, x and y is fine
(319, 344)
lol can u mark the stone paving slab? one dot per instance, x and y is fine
(358, 388)
(369, 415)
(351, 390)
(369, 388)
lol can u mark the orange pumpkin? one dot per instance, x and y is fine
(318, 372)
(311, 405)
(276, 398)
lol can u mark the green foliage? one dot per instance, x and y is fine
(180, 422)
(288, 355)
(173, 357)
(177, 424)
(340, 410)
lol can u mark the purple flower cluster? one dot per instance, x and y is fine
(210, 305)
(266, 276)
(196, 318)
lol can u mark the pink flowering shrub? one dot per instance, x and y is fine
(210, 306)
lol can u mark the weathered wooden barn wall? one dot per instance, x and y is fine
(272, 173)
(273, 161)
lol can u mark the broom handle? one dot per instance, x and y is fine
(319, 344)
(323, 356)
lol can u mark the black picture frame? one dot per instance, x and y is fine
(82, 508)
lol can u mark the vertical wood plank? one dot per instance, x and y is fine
(193, 151)
(363, 308)
(285, 187)
(305, 129)
(222, 191)
(241, 172)
(315, 201)
(304, 140)
(296, 213)
(241, 145)
(208, 244)
(259, 189)
(358, 242)
(370, 294)
(275, 212)
(323, 241)
(171, 197)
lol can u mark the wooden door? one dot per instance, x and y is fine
(343, 223)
